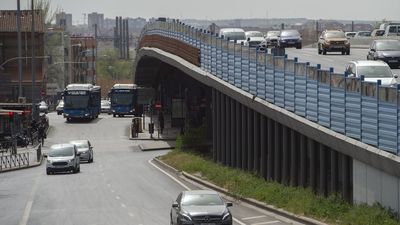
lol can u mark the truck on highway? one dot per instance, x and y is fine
(81, 101)
(123, 99)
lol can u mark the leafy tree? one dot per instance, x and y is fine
(110, 66)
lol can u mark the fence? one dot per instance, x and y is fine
(12, 161)
(362, 110)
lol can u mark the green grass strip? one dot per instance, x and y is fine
(332, 210)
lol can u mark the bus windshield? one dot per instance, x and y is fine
(122, 98)
(76, 101)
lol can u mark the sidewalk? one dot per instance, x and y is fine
(30, 151)
(157, 141)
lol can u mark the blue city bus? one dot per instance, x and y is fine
(81, 101)
(123, 99)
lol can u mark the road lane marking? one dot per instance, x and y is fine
(270, 222)
(253, 217)
(184, 186)
(28, 207)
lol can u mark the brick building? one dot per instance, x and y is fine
(83, 54)
(9, 78)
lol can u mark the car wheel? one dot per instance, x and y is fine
(48, 172)
(79, 169)
(298, 47)
(324, 51)
(343, 52)
(348, 52)
(113, 115)
(319, 51)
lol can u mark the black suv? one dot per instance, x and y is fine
(333, 41)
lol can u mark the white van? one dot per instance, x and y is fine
(234, 34)
(392, 30)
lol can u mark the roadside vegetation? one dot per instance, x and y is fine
(331, 210)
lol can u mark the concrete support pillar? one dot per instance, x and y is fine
(278, 153)
(223, 129)
(322, 169)
(239, 147)
(214, 124)
(219, 125)
(334, 171)
(245, 146)
(256, 134)
(285, 154)
(233, 133)
(303, 161)
(313, 164)
(263, 146)
(270, 149)
(294, 148)
(250, 139)
(228, 131)
(346, 177)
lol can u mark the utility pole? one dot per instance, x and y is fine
(127, 39)
(33, 55)
(19, 49)
(120, 38)
(94, 54)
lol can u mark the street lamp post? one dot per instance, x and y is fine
(19, 49)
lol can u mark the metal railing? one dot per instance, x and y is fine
(14, 161)
(362, 110)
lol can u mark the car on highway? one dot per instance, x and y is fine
(377, 33)
(105, 106)
(385, 50)
(85, 149)
(372, 71)
(333, 41)
(233, 34)
(43, 107)
(60, 107)
(272, 37)
(363, 34)
(63, 158)
(289, 38)
(350, 34)
(254, 38)
(392, 30)
(200, 207)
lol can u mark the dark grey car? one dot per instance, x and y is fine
(385, 50)
(200, 207)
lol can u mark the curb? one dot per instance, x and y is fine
(25, 167)
(271, 208)
(155, 149)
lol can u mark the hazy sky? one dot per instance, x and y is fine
(228, 9)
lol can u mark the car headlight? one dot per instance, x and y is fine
(227, 215)
(87, 114)
(49, 161)
(69, 160)
(185, 217)
(113, 110)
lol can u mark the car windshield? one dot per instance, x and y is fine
(254, 34)
(289, 33)
(76, 101)
(61, 152)
(388, 46)
(374, 71)
(364, 34)
(201, 200)
(235, 35)
(273, 33)
(122, 99)
(335, 35)
(80, 144)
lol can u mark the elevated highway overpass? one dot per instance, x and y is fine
(286, 120)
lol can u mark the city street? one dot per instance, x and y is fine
(120, 187)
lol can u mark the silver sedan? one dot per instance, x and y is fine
(85, 149)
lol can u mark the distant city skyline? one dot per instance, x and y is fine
(221, 9)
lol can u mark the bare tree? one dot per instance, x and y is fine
(48, 13)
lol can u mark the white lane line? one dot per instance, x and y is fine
(123, 205)
(170, 176)
(253, 217)
(131, 214)
(28, 207)
(117, 197)
(270, 222)
(184, 186)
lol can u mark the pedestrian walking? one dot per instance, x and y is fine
(42, 134)
(161, 121)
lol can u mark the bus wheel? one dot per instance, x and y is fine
(113, 115)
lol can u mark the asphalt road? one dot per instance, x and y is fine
(332, 59)
(120, 187)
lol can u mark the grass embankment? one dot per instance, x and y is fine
(301, 201)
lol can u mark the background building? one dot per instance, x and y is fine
(83, 54)
(64, 21)
(96, 18)
(9, 78)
